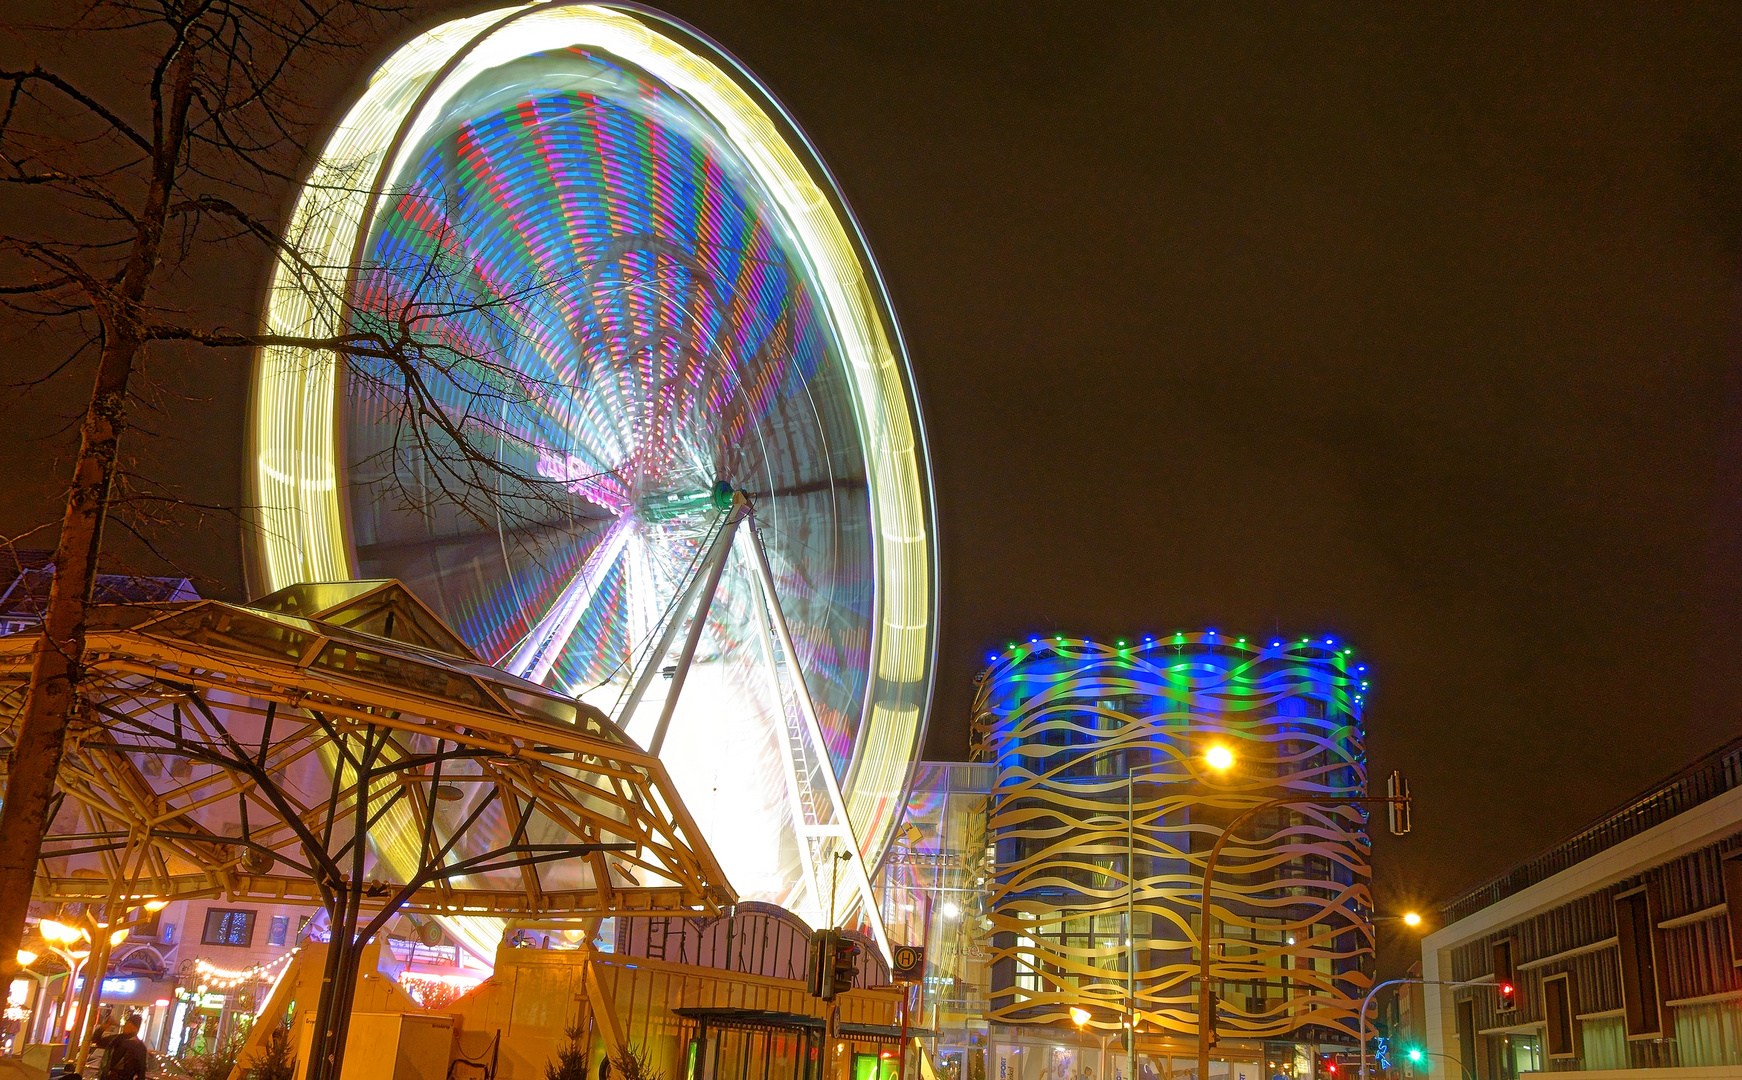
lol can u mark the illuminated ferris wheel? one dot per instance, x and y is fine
(741, 572)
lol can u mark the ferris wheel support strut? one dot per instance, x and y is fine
(710, 572)
(842, 828)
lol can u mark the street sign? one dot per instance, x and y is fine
(909, 963)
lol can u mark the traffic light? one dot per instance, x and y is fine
(1508, 997)
(1416, 1055)
(818, 959)
(844, 965)
(1397, 813)
(1324, 1065)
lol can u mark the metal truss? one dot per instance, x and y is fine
(247, 753)
(819, 813)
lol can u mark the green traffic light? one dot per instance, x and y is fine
(1415, 1054)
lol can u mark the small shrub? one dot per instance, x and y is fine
(632, 1064)
(571, 1060)
(274, 1062)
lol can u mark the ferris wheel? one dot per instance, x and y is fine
(742, 570)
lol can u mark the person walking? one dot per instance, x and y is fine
(125, 1057)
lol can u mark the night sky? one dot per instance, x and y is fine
(1417, 327)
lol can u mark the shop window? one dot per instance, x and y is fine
(1558, 1008)
(227, 927)
(1636, 932)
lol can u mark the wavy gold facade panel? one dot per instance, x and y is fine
(1074, 729)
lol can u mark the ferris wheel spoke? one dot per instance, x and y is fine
(538, 653)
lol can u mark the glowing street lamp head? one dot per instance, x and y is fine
(1079, 1017)
(950, 909)
(26, 958)
(58, 932)
(1219, 758)
(1410, 918)
(156, 905)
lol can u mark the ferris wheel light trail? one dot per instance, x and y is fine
(533, 659)
(677, 304)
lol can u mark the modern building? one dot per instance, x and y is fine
(1619, 945)
(1016, 870)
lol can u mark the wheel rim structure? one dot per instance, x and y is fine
(702, 315)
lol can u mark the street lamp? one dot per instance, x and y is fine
(1220, 758)
(1080, 1017)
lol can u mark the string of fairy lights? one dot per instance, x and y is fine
(213, 977)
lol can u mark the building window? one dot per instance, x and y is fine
(279, 930)
(1558, 1007)
(1635, 931)
(224, 927)
(1504, 975)
(1733, 901)
(147, 926)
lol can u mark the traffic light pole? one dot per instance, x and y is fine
(1368, 1000)
(1206, 1019)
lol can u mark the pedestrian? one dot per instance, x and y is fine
(126, 1057)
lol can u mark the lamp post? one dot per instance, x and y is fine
(1206, 1022)
(27, 957)
(1219, 758)
(1080, 1017)
(73, 945)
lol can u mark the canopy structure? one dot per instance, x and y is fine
(240, 751)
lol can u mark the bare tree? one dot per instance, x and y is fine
(127, 194)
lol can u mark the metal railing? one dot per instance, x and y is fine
(1703, 780)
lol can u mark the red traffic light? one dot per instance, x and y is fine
(1506, 988)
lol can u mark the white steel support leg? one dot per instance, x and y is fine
(843, 830)
(717, 565)
(794, 799)
(716, 552)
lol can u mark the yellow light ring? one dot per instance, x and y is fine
(295, 443)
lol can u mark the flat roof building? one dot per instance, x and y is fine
(1619, 944)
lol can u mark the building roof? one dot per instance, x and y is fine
(27, 573)
(1707, 777)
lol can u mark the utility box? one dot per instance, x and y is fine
(398, 1046)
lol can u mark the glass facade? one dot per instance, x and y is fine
(1104, 806)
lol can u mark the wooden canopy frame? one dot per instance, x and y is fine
(241, 752)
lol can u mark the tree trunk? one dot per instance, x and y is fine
(59, 659)
(54, 676)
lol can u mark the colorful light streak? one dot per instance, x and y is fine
(702, 310)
